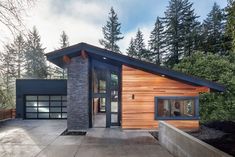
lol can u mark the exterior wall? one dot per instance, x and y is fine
(37, 87)
(78, 94)
(139, 112)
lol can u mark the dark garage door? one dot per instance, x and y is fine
(45, 106)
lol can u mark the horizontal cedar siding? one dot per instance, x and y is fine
(138, 113)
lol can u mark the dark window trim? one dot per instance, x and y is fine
(196, 107)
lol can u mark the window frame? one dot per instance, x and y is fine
(196, 107)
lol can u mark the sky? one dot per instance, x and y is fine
(82, 20)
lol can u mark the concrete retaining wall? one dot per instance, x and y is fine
(181, 144)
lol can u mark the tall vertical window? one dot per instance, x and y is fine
(176, 108)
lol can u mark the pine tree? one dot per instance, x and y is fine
(230, 25)
(111, 32)
(214, 30)
(156, 42)
(7, 68)
(131, 51)
(64, 40)
(180, 23)
(191, 29)
(139, 45)
(137, 48)
(19, 47)
(35, 60)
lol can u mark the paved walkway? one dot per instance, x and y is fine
(41, 138)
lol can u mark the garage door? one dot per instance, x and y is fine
(45, 106)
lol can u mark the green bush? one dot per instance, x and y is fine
(220, 69)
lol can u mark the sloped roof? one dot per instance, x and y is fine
(72, 51)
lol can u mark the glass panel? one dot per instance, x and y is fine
(43, 97)
(31, 109)
(43, 115)
(64, 103)
(43, 109)
(114, 95)
(102, 104)
(176, 108)
(31, 97)
(114, 81)
(114, 118)
(31, 115)
(64, 109)
(55, 115)
(55, 103)
(64, 98)
(43, 103)
(55, 97)
(31, 104)
(55, 109)
(64, 115)
(102, 86)
(163, 108)
(114, 106)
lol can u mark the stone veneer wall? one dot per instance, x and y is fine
(78, 94)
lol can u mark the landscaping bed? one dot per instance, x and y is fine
(220, 134)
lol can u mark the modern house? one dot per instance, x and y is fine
(106, 89)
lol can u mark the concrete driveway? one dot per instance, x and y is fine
(41, 138)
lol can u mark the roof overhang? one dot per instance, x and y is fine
(56, 57)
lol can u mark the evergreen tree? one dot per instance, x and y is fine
(64, 40)
(157, 42)
(111, 32)
(191, 29)
(8, 72)
(139, 45)
(35, 61)
(214, 30)
(137, 48)
(131, 51)
(180, 23)
(19, 47)
(230, 25)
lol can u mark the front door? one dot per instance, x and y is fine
(105, 95)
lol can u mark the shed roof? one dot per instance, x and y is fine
(74, 50)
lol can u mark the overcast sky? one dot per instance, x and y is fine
(82, 20)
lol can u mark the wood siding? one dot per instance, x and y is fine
(143, 87)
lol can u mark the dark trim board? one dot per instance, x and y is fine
(75, 50)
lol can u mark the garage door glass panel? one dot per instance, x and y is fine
(43, 109)
(31, 109)
(55, 103)
(43, 103)
(55, 115)
(31, 115)
(43, 115)
(55, 97)
(64, 115)
(43, 98)
(31, 104)
(31, 98)
(55, 109)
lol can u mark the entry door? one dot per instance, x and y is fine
(106, 83)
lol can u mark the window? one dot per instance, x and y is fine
(46, 106)
(176, 108)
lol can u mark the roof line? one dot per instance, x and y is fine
(126, 60)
